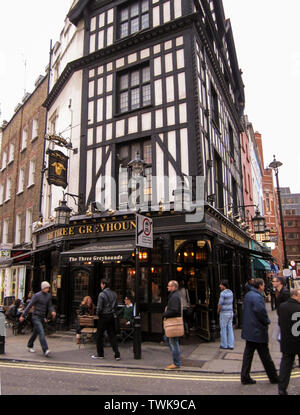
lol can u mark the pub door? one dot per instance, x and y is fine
(82, 286)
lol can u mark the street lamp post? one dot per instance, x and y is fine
(137, 167)
(275, 165)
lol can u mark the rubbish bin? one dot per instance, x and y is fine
(2, 331)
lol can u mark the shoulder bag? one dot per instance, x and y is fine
(173, 326)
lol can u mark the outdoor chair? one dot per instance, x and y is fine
(87, 322)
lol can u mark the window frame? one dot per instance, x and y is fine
(21, 175)
(31, 173)
(138, 16)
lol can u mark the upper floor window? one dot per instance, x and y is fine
(134, 90)
(4, 160)
(214, 106)
(231, 141)
(24, 139)
(133, 17)
(11, 152)
(18, 230)
(1, 193)
(28, 227)
(8, 189)
(35, 127)
(5, 231)
(21, 181)
(31, 173)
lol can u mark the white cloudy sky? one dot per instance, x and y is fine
(266, 34)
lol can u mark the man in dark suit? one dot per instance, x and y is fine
(255, 332)
(289, 322)
(282, 293)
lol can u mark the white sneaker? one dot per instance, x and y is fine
(31, 350)
(47, 352)
(95, 356)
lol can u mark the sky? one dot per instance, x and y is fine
(266, 34)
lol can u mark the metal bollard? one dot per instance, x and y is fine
(2, 331)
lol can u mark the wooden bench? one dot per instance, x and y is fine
(87, 324)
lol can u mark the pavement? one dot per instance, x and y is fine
(197, 355)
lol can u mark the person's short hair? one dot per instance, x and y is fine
(280, 279)
(104, 282)
(225, 283)
(258, 282)
(174, 283)
(294, 291)
(18, 302)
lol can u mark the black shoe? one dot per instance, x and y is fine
(225, 348)
(282, 392)
(274, 381)
(249, 381)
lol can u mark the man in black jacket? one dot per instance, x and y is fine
(289, 322)
(282, 293)
(173, 309)
(42, 304)
(106, 309)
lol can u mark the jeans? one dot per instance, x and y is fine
(38, 330)
(227, 336)
(175, 349)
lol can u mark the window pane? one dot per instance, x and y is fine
(135, 98)
(148, 152)
(124, 15)
(145, 21)
(124, 82)
(134, 10)
(135, 149)
(124, 101)
(146, 95)
(135, 78)
(146, 74)
(134, 25)
(124, 30)
(145, 5)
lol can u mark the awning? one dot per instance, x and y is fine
(261, 264)
(100, 252)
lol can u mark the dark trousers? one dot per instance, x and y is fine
(106, 322)
(265, 357)
(38, 330)
(273, 301)
(286, 366)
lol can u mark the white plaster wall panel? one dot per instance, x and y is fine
(132, 58)
(132, 125)
(146, 121)
(91, 73)
(177, 8)
(168, 44)
(110, 16)
(101, 39)
(90, 136)
(109, 67)
(172, 144)
(172, 181)
(92, 43)
(156, 16)
(158, 92)
(160, 173)
(98, 159)
(170, 88)
(145, 53)
(157, 66)
(156, 49)
(98, 193)
(171, 115)
(181, 86)
(167, 12)
(100, 70)
(100, 86)
(101, 20)
(179, 41)
(159, 119)
(109, 107)
(120, 62)
(155, 1)
(184, 151)
(100, 110)
(93, 23)
(180, 59)
(109, 131)
(110, 36)
(169, 62)
(91, 112)
(91, 89)
(108, 183)
(99, 133)
(89, 172)
(120, 128)
(109, 83)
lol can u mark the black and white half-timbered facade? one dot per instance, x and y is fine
(158, 79)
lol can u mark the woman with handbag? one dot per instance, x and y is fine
(173, 323)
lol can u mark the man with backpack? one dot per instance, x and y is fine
(106, 311)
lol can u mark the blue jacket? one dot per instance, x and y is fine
(255, 318)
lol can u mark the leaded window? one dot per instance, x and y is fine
(133, 17)
(134, 89)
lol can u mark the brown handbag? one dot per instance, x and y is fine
(173, 326)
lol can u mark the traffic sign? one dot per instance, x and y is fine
(144, 231)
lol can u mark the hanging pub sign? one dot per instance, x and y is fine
(57, 168)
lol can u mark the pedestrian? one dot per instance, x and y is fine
(289, 318)
(13, 314)
(272, 291)
(173, 309)
(225, 309)
(106, 310)
(282, 294)
(186, 307)
(249, 285)
(255, 332)
(42, 306)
